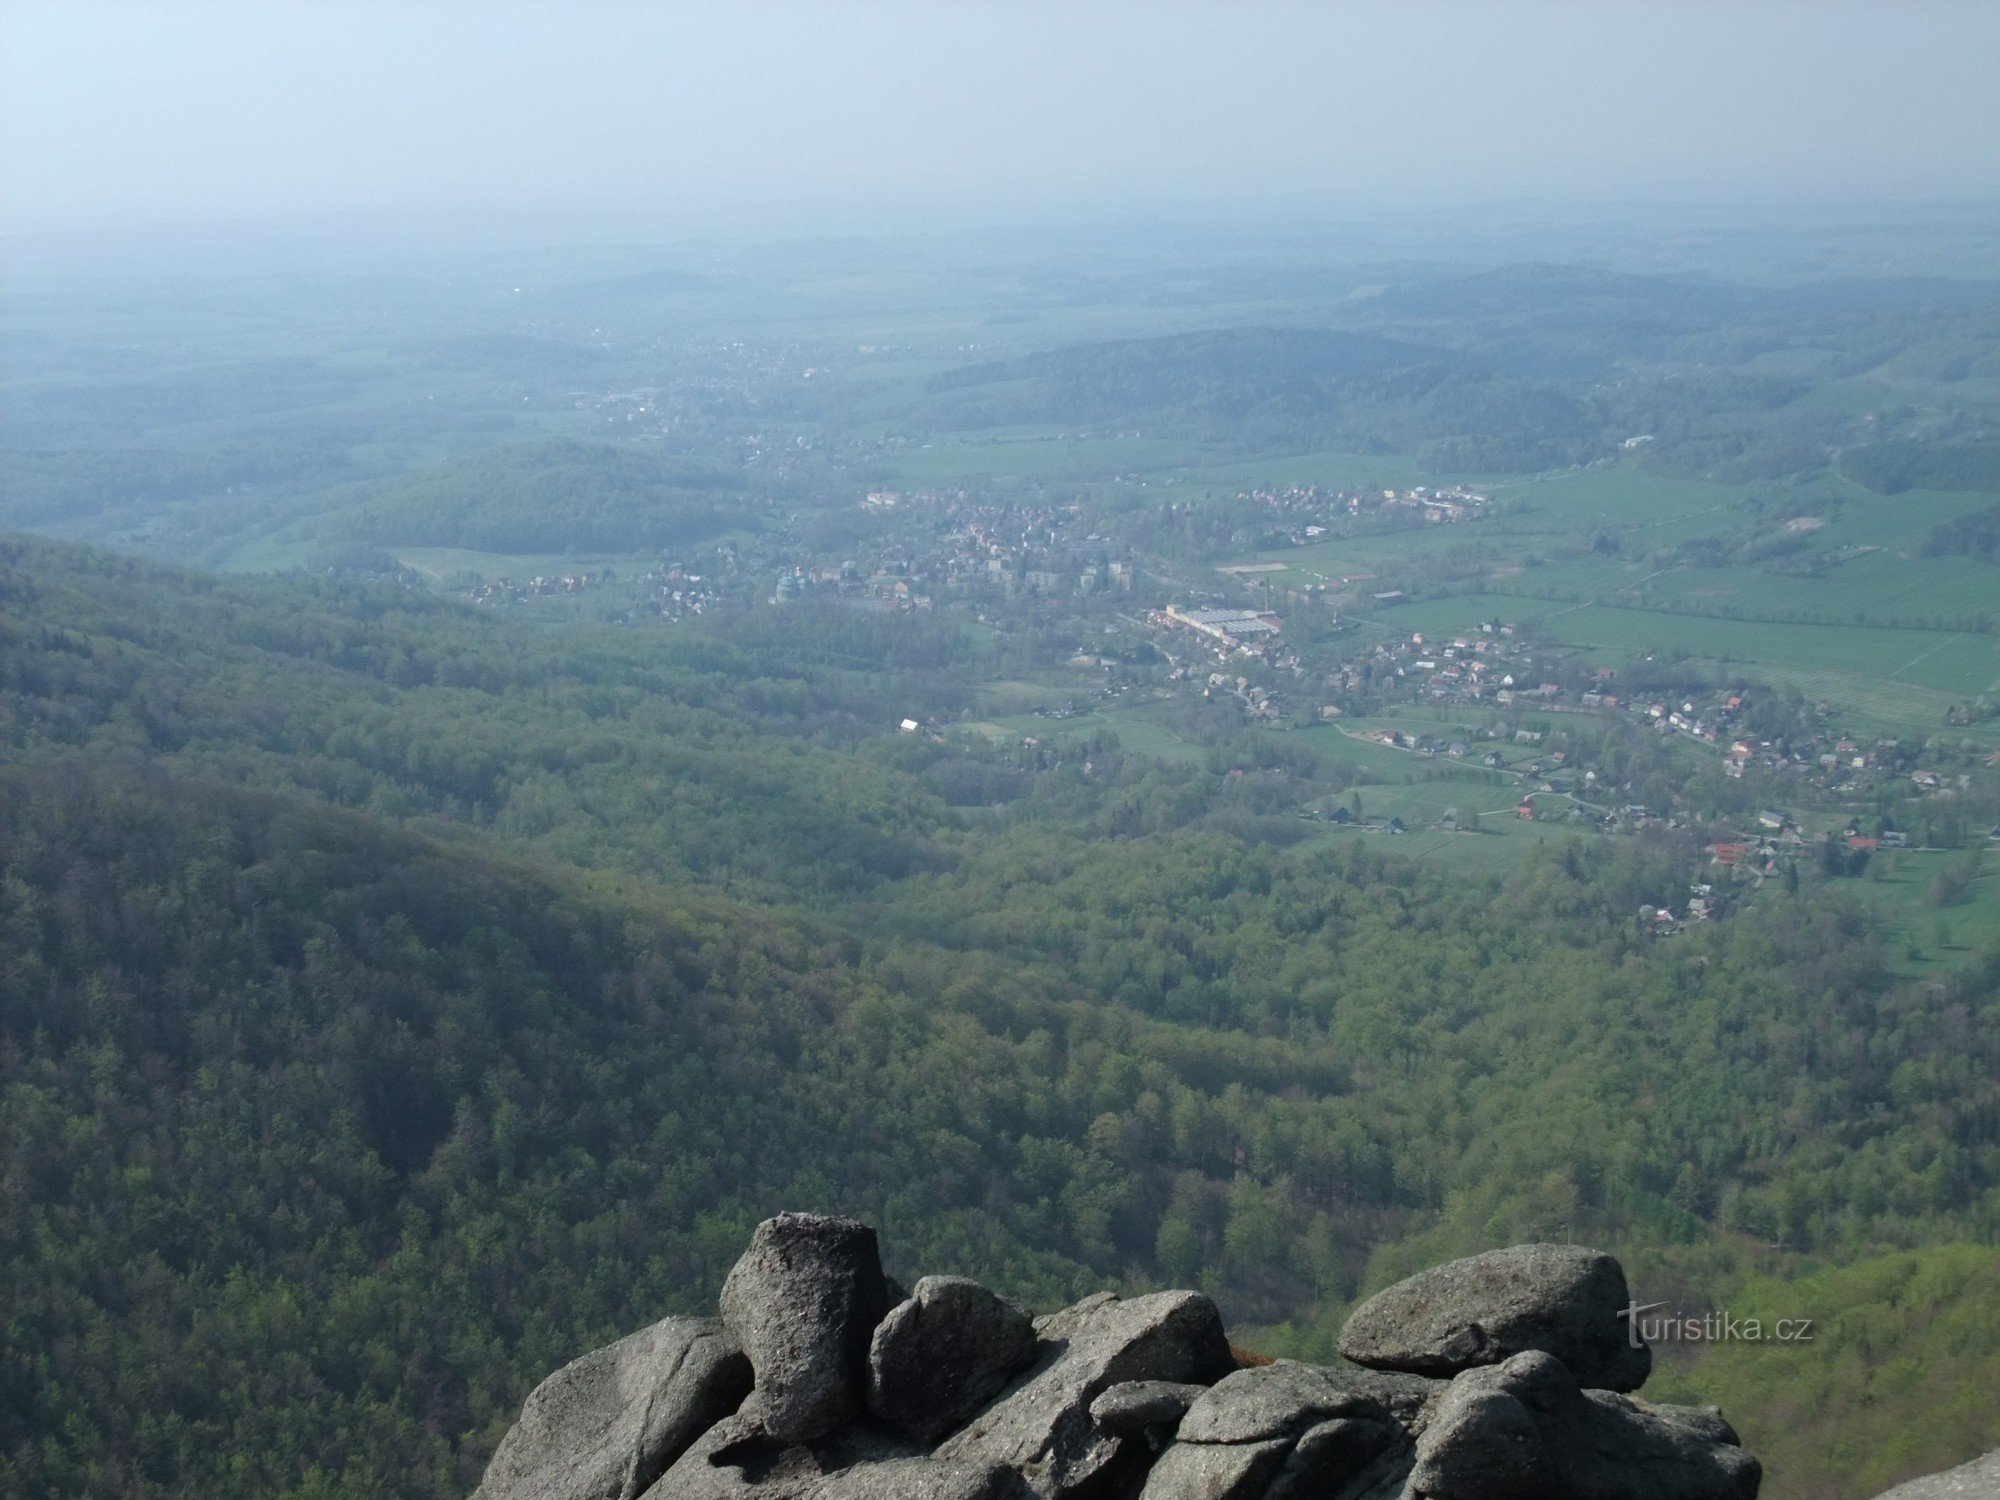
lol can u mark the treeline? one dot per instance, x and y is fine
(1975, 535)
(1265, 386)
(552, 497)
(1891, 468)
(1474, 401)
(68, 487)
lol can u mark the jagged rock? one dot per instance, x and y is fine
(1283, 1428)
(943, 1354)
(1143, 1408)
(1042, 1429)
(739, 1460)
(605, 1426)
(803, 1301)
(1561, 1299)
(1525, 1430)
(1978, 1480)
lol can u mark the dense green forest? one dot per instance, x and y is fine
(1974, 535)
(1536, 366)
(395, 1001)
(1257, 386)
(1891, 468)
(548, 497)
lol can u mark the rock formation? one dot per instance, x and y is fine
(1501, 1377)
(1561, 1299)
(1978, 1480)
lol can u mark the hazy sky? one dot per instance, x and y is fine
(122, 113)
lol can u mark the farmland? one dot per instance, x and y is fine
(1609, 562)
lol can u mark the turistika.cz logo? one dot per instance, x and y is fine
(1647, 1325)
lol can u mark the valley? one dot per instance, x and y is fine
(1219, 760)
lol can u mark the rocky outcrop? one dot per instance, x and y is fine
(1560, 1299)
(942, 1354)
(804, 1301)
(1042, 1428)
(1288, 1429)
(1978, 1480)
(739, 1460)
(1149, 1409)
(1525, 1429)
(608, 1425)
(1494, 1378)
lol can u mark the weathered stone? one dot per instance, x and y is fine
(1042, 1429)
(922, 1479)
(1978, 1480)
(803, 1301)
(943, 1354)
(1215, 1471)
(1564, 1300)
(1051, 1325)
(605, 1426)
(1116, 1399)
(1483, 1445)
(1524, 1428)
(739, 1460)
(1275, 1400)
(1332, 1455)
(1404, 1397)
(1139, 1408)
(1281, 1429)
(1385, 1479)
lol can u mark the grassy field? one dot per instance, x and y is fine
(1920, 936)
(1340, 471)
(441, 563)
(1877, 586)
(1138, 727)
(1490, 840)
(275, 552)
(1343, 741)
(1906, 677)
(1621, 498)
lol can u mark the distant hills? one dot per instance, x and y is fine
(1259, 385)
(1516, 369)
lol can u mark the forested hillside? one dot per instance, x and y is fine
(395, 1001)
(1536, 366)
(1263, 385)
(1892, 468)
(546, 497)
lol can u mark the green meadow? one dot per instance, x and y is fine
(1901, 677)
(1922, 935)
(444, 563)
(1339, 471)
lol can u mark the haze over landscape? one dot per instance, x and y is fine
(139, 112)
(1239, 648)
